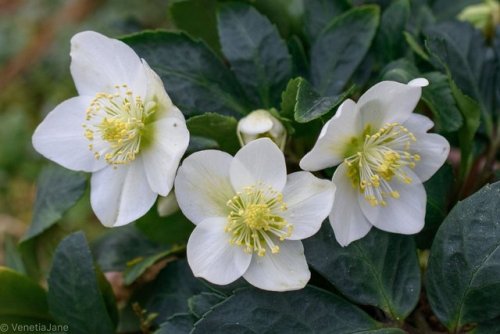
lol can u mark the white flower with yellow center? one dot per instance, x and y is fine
(249, 216)
(384, 154)
(261, 124)
(122, 127)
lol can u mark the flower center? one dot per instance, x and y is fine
(255, 220)
(380, 158)
(115, 123)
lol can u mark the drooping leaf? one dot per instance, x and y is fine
(318, 13)
(257, 54)
(58, 189)
(23, 302)
(381, 269)
(463, 278)
(74, 296)
(341, 47)
(198, 19)
(389, 41)
(309, 310)
(218, 127)
(194, 77)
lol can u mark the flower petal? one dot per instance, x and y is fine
(404, 215)
(433, 150)
(202, 185)
(347, 219)
(211, 256)
(258, 161)
(60, 137)
(284, 271)
(417, 123)
(120, 196)
(161, 159)
(309, 200)
(388, 102)
(330, 147)
(98, 63)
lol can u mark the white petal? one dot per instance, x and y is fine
(347, 219)
(120, 196)
(417, 123)
(211, 256)
(419, 82)
(433, 150)
(161, 159)
(258, 161)
(258, 121)
(284, 271)
(387, 102)
(98, 63)
(202, 185)
(329, 150)
(309, 200)
(404, 215)
(60, 137)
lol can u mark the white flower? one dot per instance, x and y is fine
(258, 124)
(122, 127)
(249, 216)
(385, 153)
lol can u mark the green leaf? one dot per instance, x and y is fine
(463, 278)
(318, 13)
(299, 56)
(341, 47)
(174, 229)
(202, 303)
(58, 190)
(438, 189)
(309, 310)
(180, 323)
(74, 296)
(194, 77)
(13, 258)
(389, 41)
(198, 19)
(257, 54)
(445, 9)
(380, 270)
(415, 46)
(22, 300)
(140, 264)
(310, 105)
(218, 127)
(169, 293)
(289, 98)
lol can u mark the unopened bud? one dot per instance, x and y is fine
(259, 124)
(484, 16)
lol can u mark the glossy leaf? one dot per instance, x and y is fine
(218, 127)
(389, 41)
(194, 77)
(318, 13)
(380, 269)
(181, 323)
(202, 303)
(257, 54)
(74, 296)
(341, 47)
(309, 310)
(463, 278)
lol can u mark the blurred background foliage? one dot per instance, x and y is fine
(34, 78)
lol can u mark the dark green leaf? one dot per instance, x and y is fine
(415, 46)
(202, 303)
(389, 41)
(220, 128)
(58, 190)
(196, 80)
(299, 56)
(257, 54)
(198, 19)
(13, 258)
(309, 310)
(380, 270)
(488, 327)
(174, 229)
(318, 13)
(463, 279)
(445, 9)
(341, 47)
(22, 301)
(310, 105)
(170, 291)
(74, 297)
(181, 323)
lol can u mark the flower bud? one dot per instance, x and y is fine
(258, 124)
(484, 16)
(167, 205)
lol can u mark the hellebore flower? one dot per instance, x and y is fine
(384, 154)
(249, 216)
(258, 124)
(122, 127)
